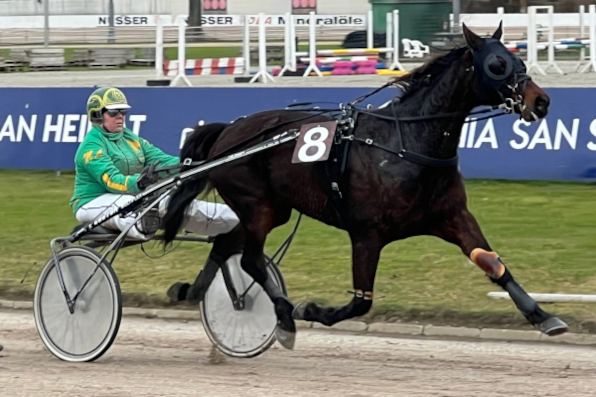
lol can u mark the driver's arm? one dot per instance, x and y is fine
(153, 154)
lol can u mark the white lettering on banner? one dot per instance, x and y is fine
(524, 135)
(7, 130)
(542, 136)
(69, 127)
(280, 20)
(488, 135)
(136, 121)
(84, 127)
(187, 131)
(184, 135)
(28, 129)
(125, 20)
(570, 137)
(463, 135)
(56, 128)
(471, 133)
(592, 145)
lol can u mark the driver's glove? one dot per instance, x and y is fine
(148, 176)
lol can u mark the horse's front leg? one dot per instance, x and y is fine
(365, 258)
(461, 228)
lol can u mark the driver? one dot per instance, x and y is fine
(112, 164)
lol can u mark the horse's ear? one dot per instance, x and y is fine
(474, 41)
(499, 32)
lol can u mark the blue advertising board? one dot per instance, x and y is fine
(41, 128)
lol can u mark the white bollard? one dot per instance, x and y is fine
(312, 48)
(289, 45)
(582, 35)
(159, 47)
(582, 31)
(389, 30)
(533, 42)
(592, 63)
(370, 30)
(181, 75)
(246, 46)
(551, 42)
(262, 74)
(395, 64)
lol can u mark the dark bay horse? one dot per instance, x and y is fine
(401, 179)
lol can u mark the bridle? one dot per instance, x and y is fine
(515, 80)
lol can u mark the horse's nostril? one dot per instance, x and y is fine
(542, 102)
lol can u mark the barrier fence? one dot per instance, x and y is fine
(348, 61)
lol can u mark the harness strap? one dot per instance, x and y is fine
(335, 166)
(412, 157)
(186, 163)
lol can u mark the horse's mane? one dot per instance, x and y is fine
(424, 75)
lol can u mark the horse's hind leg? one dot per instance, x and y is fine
(461, 228)
(224, 246)
(366, 251)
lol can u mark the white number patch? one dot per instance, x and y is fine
(314, 142)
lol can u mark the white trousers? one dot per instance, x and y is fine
(201, 217)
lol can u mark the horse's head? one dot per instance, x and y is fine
(502, 77)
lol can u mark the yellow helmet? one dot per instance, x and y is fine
(105, 98)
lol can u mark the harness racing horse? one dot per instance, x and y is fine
(401, 179)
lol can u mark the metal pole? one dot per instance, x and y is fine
(111, 35)
(369, 30)
(456, 10)
(159, 47)
(246, 46)
(46, 23)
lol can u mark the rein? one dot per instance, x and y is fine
(507, 107)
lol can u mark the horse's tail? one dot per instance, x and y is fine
(196, 147)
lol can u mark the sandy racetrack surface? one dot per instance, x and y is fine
(175, 358)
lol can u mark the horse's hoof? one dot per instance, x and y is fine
(285, 338)
(553, 326)
(177, 292)
(299, 311)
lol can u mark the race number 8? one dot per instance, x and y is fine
(318, 143)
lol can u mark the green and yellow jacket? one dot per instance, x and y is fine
(111, 163)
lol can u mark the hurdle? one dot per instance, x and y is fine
(532, 47)
(181, 54)
(290, 45)
(392, 45)
(262, 74)
(582, 33)
(312, 48)
(206, 66)
(591, 65)
(393, 39)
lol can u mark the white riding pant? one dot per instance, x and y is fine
(201, 217)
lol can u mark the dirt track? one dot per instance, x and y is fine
(173, 358)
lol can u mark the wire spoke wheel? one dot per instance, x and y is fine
(240, 333)
(88, 332)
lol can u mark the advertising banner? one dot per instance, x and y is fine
(41, 128)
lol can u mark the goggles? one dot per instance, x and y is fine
(114, 112)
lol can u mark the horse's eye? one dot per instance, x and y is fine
(497, 65)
